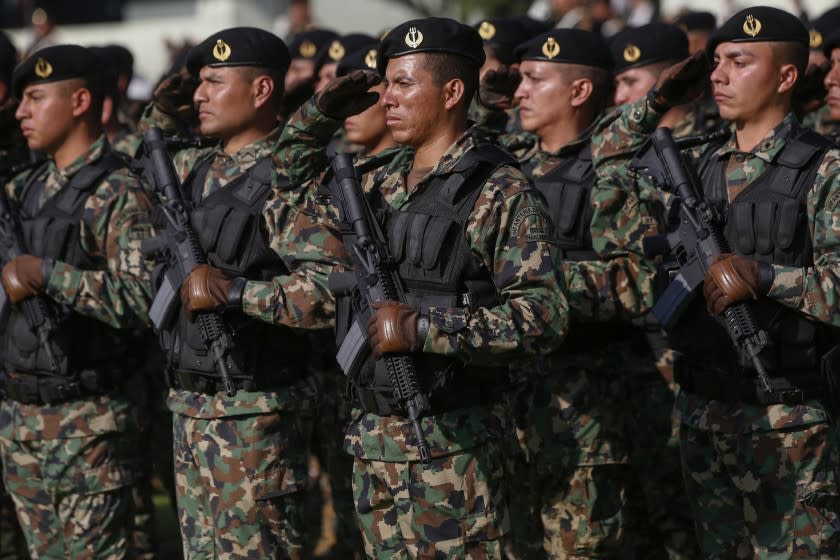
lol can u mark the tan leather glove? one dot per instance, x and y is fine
(730, 279)
(207, 288)
(23, 277)
(392, 329)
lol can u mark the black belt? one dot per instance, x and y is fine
(211, 384)
(41, 390)
(743, 387)
(380, 400)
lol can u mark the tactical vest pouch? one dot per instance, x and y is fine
(831, 374)
(571, 209)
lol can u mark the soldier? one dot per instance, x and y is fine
(759, 466)
(69, 432)
(570, 413)
(697, 26)
(241, 461)
(829, 125)
(818, 30)
(640, 55)
(301, 78)
(492, 251)
(331, 55)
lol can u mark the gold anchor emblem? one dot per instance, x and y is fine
(752, 26)
(370, 59)
(307, 49)
(221, 51)
(43, 69)
(815, 39)
(632, 53)
(413, 38)
(486, 30)
(550, 48)
(336, 51)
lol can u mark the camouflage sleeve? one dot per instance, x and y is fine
(618, 288)
(813, 290)
(301, 233)
(509, 232)
(491, 122)
(152, 116)
(114, 223)
(302, 149)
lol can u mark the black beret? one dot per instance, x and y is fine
(431, 35)
(109, 72)
(503, 35)
(823, 26)
(121, 58)
(655, 42)
(570, 46)
(533, 26)
(831, 41)
(54, 64)
(8, 59)
(696, 21)
(306, 44)
(361, 59)
(337, 49)
(239, 46)
(757, 25)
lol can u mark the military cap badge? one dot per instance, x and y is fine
(752, 26)
(632, 53)
(307, 49)
(43, 69)
(221, 51)
(336, 50)
(413, 38)
(486, 30)
(815, 39)
(550, 48)
(370, 59)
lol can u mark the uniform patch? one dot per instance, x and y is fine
(833, 201)
(540, 231)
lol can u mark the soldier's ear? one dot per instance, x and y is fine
(582, 90)
(263, 89)
(453, 93)
(81, 100)
(788, 75)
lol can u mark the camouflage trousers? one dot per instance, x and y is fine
(240, 484)
(765, 495)
(453, 507)
(12, 543)
(73, 496)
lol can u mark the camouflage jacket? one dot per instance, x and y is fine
(597, 290)
(533, 315)
(301, 300)
(114, 222)
(812, 291)
(820, 121)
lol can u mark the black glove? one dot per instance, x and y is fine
(497, 88)
(681, 83)
(174, 96)
(348, 95)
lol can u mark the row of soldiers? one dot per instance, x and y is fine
(562, 422)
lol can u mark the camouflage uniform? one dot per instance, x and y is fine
(70, 467)
(762, 480)
(454, 506)
(821, 121)
(580, 481)
(241, 462)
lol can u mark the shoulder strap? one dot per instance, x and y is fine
(82, 183)
(32, 189)
(193, 184)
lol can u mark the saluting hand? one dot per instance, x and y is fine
(348, 95)
(683, 82)
(174, 95)
(497, 88)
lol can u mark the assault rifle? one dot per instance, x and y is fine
(696, 242)
(180, 248)
(377, 281)
(36, 310)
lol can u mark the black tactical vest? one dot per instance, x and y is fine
(767, 222)
(83, 346)
(427, 243)
(230, 228)
(567, 190)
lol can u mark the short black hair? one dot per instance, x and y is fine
(601, 79)
(792, 52)
(96, 89)
(446, 66)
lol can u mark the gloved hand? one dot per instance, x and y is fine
(174, 96)
(497, 88)
(392, 329)
(23, 277)
(683, 82)
(730, 279)
(348, 95)
(207, 288)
